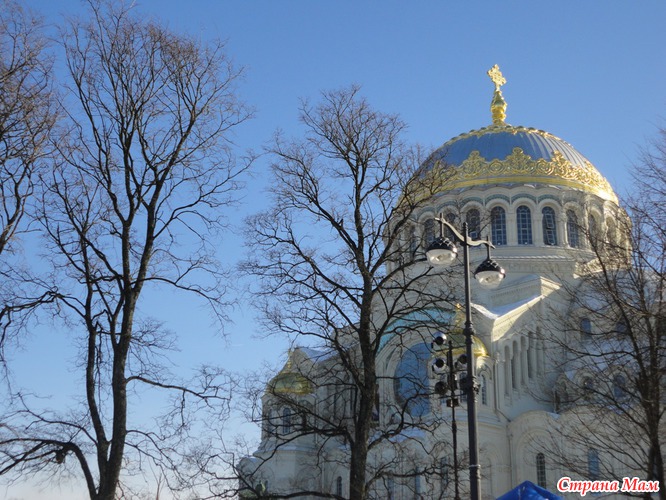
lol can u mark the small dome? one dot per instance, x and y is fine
(290, 381)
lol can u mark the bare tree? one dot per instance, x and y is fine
(143, 171)
(339, 264)
(26, 112)
(27, 115)
(612, 396)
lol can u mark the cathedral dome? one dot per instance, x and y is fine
(290, 380)
(502, 154)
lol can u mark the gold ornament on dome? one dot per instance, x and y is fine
(289, 381)
(498, 104)
(521, 168)
(496, 76)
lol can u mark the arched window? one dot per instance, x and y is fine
(611, 232)
(413, 243)
(473, 224)
(451, 218)
(524, 225)
(428, 233)
(549, 226)
(592, 229)
(514, 384)
(586, 326)
(498, 226)
(338, 486)
(619, 387)
(572, 229)
(272, 423)
(541, 470)
(286, 421)
(593, 464)
(484, 390)
(411, 380)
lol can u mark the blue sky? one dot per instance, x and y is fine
(592, 73)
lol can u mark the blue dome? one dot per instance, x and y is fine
(494, 143)
(502, 154)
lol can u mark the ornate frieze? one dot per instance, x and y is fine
(519, 167)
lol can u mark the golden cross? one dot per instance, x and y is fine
(496, 76)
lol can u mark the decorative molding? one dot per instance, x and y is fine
(524, 195)
(497, 197)
(550, 197)
(519, 167)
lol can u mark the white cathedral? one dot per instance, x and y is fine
(537, 199)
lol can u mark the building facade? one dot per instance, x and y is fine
(539, 201)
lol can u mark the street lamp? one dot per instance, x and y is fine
(449, 385)
(489, 274)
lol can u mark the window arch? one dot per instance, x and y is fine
(411, 380)
(451, 218)
(272, 423)
(524, 225)
(413, 243)
(286, 420)
(619, 387)
(541, 470)
(428, 233)
(473, 219)
(338, 486)
(549, 225)
(484, 389)
(611, 232)
(572, 229)
(498, 226)
(514, 381)
(592, 229)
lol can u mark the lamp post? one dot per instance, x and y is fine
(449, 387)
(489, 274)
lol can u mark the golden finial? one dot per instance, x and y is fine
(496, 76)
(498, 104)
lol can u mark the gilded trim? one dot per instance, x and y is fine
(519, 167)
